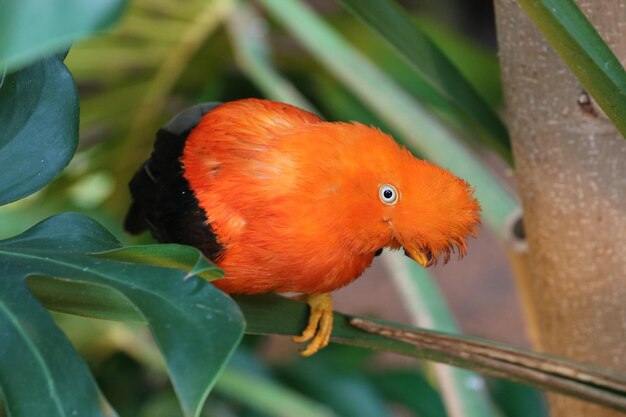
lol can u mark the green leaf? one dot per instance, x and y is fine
(590, 59)
(170, 255)
(38, 362)
(195, 325)
(410, 389)
(348, 394)
(39, 127)
(251, 51)
(432, 65)
(31, 28)
(478, 65)
(266, 396)
(427, 308)
(516, 400)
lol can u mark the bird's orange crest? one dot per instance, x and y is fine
(303, 205)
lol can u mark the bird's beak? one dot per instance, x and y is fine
(422, 256)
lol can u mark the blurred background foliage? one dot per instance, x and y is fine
(165, 55)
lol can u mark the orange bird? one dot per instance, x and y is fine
(283, 201)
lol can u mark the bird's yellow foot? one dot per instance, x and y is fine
(320, 323)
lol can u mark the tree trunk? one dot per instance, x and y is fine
(571, 171)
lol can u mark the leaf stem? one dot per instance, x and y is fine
(271, 314)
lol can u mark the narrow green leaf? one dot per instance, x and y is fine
(460, 388)
(267, 396)
(478, 65)
(392, 23)
(170, 255)
(348, 394)
(195, 325)
(246, 29)
(32, 28)
(206, 20)
(39, 119)
(578, 43)
(410, 389)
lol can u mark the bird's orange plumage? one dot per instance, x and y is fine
(295, 201)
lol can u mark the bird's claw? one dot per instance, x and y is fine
(320, 323)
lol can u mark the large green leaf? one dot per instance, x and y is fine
(39, 119)
(390, 21)
(195, 325)
(578, 43)
(40, 373)
(34, 28)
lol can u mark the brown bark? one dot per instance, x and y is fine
(571, 170)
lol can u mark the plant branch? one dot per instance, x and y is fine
(504, 361)
(272, 314)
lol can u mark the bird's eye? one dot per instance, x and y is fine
(388, 194)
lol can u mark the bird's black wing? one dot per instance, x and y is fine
(163, 202)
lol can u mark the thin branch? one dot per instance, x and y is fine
(585, 382)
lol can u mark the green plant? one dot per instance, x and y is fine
(72, 264)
